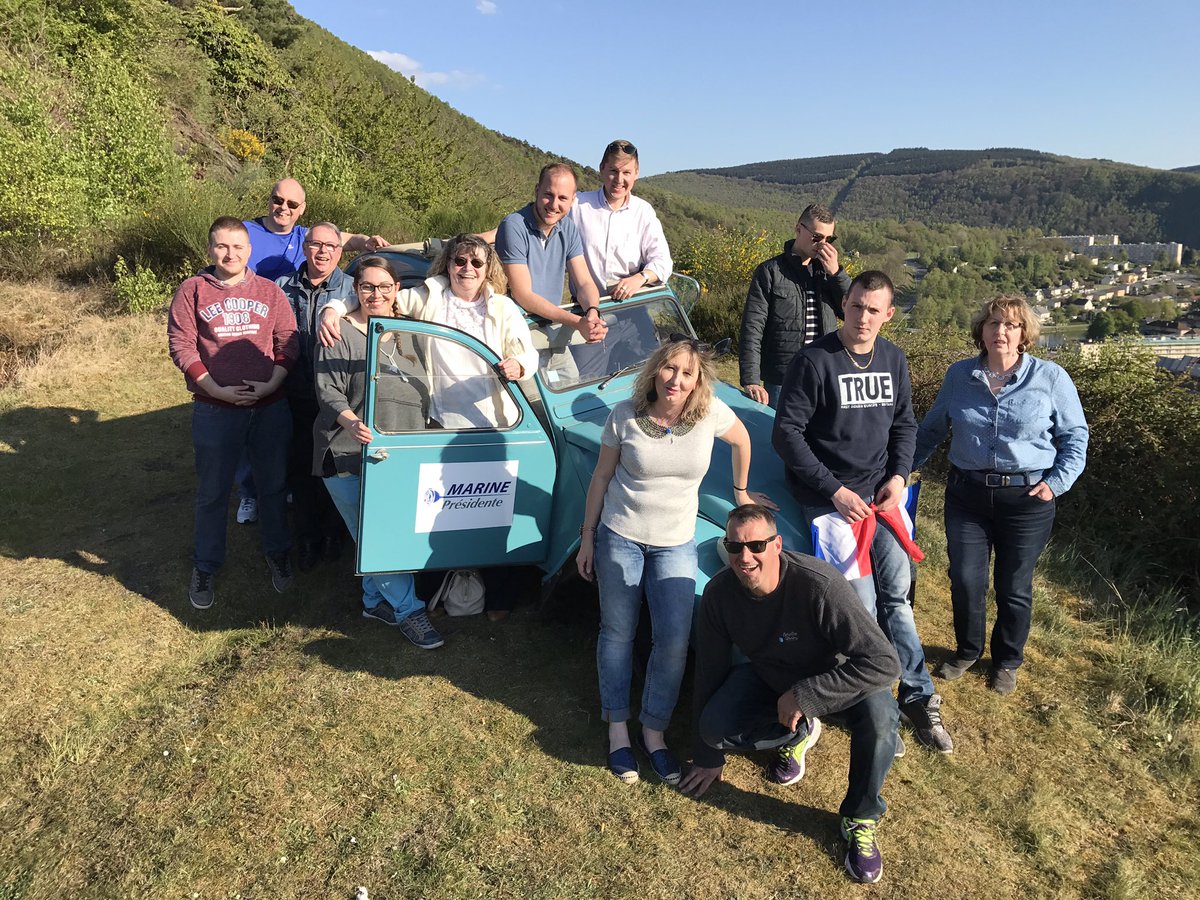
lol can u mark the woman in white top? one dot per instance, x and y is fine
(465, 290)
(638, 537)
(623, 241)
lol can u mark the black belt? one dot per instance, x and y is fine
(1001, 479)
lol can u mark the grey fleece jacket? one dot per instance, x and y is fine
(812, 636)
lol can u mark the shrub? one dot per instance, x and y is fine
(138, 290)
(243, 145)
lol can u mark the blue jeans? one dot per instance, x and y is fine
(399, 590)
(667, 576)
(245, 479)
(773, 392)
(885, 597)
(220, 436)
(979, 520)
(742, 716)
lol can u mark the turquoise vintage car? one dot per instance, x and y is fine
(510, 489)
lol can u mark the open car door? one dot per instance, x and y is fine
(459, 472)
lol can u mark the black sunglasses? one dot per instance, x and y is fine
(621, 147)
(753, 546)
(818, 238)
(290, 204)
(697, 346)
(461, 261)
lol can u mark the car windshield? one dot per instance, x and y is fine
(635, 330)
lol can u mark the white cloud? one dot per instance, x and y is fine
(407, 66)
(487, 7)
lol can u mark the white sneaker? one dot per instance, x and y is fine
(247, 511)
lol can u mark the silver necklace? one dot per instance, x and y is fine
(855, 362)
(1005, 373)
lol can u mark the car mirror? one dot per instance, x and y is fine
(722, 347)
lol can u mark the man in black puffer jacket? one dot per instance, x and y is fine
(794, 298)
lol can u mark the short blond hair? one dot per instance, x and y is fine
(699, 401)
(1003, 305)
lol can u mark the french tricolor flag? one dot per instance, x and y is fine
(847, 545)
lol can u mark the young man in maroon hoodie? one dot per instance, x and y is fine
(233, 334)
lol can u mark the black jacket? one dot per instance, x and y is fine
(773, 318)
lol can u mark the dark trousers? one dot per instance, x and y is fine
(742, 716)
(313, 512)
(220, 436)
(1006, 520)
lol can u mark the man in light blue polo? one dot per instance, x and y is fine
(539, 244)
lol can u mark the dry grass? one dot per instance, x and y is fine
(283, 747)
(37, 316)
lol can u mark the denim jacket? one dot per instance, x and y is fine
(1035, 424)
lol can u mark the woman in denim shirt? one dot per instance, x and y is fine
(1018, 440)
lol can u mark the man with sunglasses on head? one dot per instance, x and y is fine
(813, 652)
(794, 298)
(846, 433)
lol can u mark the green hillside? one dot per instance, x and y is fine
(1004, 187)
(126, 126)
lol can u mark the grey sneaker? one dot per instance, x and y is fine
(953, 668)
(900, 748)
(247, 511)
(281, 571)
(788, 767)
(925, 716)
(200, 589)
(1003, 681)
(418, 629)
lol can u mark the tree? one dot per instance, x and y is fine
(1101, 328)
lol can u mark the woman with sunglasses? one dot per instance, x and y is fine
(1018, 441)
(339, 434)
(623, 241)
(638, 537)
(464, 289)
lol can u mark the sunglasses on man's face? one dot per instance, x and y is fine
(734, 547)
(290, 204)
(818, 238)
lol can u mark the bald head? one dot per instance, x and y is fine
(285, 206)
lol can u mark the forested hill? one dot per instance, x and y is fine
(127, 125)
(999, 187)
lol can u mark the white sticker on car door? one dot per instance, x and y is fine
(461, 496)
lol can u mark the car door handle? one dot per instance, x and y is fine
(379, 455)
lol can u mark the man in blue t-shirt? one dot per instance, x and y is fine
(277, 241)
(846, 432)
(539, 245)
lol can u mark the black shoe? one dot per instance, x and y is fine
(281, 572)
(200, 589)
(954, 668)
(331, 547)
(1003, 681)
(925, 716)
(310, 555)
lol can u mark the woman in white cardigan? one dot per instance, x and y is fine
(465, 290)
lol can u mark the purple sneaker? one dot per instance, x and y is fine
(864, 863)
(788, 767)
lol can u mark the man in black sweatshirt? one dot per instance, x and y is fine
(814, 651)
(846, 432)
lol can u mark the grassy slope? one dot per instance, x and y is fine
(281, 746)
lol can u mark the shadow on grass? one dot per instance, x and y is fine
(115, 497)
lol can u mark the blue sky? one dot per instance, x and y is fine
(705, 84)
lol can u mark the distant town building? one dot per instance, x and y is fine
(1096, 245)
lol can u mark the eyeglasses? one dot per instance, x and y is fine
(818, 238)
(1006, 326)
(621, 147)
(697, 346)
(327, 247)
(461, 261)
(371, 289)
(290, 204)
(732, 547)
